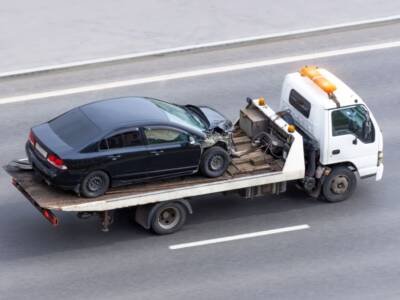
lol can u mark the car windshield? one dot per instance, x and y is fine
(179, 114)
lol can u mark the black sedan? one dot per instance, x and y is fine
(128, 140)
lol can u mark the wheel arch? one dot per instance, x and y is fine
(221, 144)
(348, 164)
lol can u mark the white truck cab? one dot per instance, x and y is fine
(339, 122)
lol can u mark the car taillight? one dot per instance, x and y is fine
(31, 138)
(56, 161)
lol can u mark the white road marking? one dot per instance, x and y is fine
(226, 43)
(200, 72)
(238, 237)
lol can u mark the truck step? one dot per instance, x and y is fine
(258, 161)
(238, 132)
(241, 140)
(247, 156)
(249, 168)
(233, 170)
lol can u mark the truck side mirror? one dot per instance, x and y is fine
(367, 129)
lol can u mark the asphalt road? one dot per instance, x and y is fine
(350, 251)
(48, 32)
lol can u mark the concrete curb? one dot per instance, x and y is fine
(207, 46)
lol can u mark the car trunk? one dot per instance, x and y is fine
(49, 141)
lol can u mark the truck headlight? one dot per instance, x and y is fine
(380, 158)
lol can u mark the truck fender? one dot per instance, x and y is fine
(145, 213)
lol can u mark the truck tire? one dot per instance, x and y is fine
(95, 184)
(339, 185)
(214, 162)
(168, 218)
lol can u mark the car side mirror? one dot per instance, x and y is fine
(192, 140)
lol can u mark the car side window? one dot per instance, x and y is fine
(353, 120)
(164, 135)
(103, 145)
(121, 140)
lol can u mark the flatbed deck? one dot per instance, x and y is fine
(253, 168)
(56, 199)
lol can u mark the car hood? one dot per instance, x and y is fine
(213, 118)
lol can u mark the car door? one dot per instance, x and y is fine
(348, 142)
(125, 154)
(171, 151)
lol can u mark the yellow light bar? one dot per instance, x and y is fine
(323, 83)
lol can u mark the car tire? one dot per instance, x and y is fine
(168, 218)
(214, 162)
(95, 184)
(339, 185)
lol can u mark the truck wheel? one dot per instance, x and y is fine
(95, 184)
(214, 162)
(168, 218)
(339, 185)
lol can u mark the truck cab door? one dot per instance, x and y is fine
(352, 139)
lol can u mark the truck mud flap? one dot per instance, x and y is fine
(48, 214)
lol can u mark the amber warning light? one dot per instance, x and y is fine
(261, 101)
(323, 83)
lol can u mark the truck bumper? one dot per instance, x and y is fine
(379, 173)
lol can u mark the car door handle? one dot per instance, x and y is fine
(336, 151)
(114, 157)
(157, 152)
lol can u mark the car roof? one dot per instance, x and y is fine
(111, 114)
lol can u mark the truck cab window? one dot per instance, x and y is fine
(353, 120)
(300, 103)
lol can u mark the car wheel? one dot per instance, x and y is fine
(95, 184)
(339, 185)
(168, 218)
(214, 162)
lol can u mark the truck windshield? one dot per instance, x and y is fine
(353, 120)
(179, 114)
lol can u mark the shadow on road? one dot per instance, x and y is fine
(24, 233)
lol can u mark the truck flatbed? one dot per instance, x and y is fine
(253, 168)
(255, 164)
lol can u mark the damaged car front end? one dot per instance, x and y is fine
(218, 128)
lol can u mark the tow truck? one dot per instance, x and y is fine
(324, 138)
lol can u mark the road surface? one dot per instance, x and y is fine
(48, 32)
(350, 250)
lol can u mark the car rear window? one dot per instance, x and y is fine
(74, 128)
